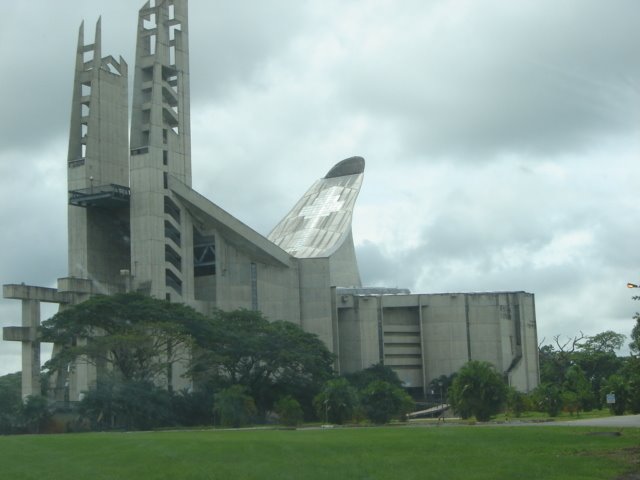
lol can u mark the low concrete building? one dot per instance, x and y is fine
(136, 223)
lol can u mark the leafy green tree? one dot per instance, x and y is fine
(570, 401)
(336, 402)
(138, 337)
(631, 374)
(617, 385)
(361, 379)
(594, 355)
(270, 359)
(10, 402)
(234, 407)
(605, 342)
(128, 405)
(597, 359)
(478, 390)
(439, 387)
(382, 401)
(577, 394)
(36, 413)
(289, 411)
(634, 346)
(548, 398)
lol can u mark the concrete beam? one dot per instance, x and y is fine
(231, 228)
(30, 292)
(17, 334)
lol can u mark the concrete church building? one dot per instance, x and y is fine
(135, 223)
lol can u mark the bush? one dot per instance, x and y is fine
(234, 407)
(517, 402)
(289, 411)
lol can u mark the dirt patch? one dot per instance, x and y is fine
(630, 456)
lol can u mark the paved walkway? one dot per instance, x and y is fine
(628, 421)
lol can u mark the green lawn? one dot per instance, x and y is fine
(452, 452)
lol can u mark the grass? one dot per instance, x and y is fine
(459, 452)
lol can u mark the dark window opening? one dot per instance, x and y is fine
(204, 254)
(171, 209)
(165, 157)
(173, 281)
(173, 257)
(171, 232)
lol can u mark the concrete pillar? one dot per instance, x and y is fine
(30, 348)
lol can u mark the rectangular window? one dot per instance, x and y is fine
(165, 157)
(165, 179)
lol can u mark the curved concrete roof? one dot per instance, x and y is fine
(321, 220)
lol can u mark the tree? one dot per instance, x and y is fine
(597, 359)
(136, 336)
(478, 390)
(337, 401)
(634, 346)
(548, 398)
(270, 359)
(556, 360)
(617, 385)
(10, 402)
(234, 407)
(605, 342)
(128, 405)
(382, 401)
(35, 413)
(362, 378)
(577, 394)
(439, 387)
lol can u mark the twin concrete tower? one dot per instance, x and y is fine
(123, 224)
(135, 223)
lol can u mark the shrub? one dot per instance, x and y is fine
(289, 411)
(234, 407)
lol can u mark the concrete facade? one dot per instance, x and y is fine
(135, 223)
(424, 336)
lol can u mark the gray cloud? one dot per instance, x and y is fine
(501, 138)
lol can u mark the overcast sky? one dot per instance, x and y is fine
(502, 138)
